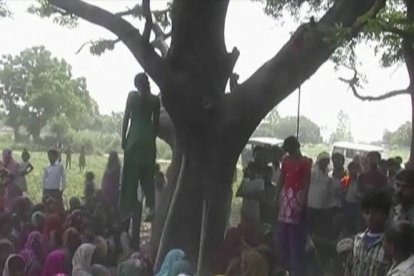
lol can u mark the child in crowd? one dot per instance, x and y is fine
(367, 257)
(89, 192)
(25, 168)
(398, 245)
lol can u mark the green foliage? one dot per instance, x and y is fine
(401, 137)
(4, 11)
(277, 8)
(37, 87)
(342, 132)
(44, 9)
(282, 127)
(60, 126)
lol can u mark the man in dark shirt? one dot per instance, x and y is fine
(373, 178)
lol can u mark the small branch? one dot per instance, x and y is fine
(148, 19)
(142, 50)
(105, 44)
(354, 84)
(397, 31)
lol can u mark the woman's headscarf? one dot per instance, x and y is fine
(55, 264)
(13, 257)
(172, 257)
(72, 239)
(82, 260)
(53, 223)
(6, 249)
(38, 219)
(132, 267)
(31, 255)
(181, 267)
(254, 264)
(75, 219)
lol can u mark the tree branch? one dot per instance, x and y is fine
(354, 84)
(301, 56)
(397, 31)
(148, 19)
(142, 50)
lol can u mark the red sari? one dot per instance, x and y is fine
(293, 196)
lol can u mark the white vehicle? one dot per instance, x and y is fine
(350, 150)
(266, 142)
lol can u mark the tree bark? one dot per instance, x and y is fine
(408, 50)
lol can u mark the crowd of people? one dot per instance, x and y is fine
(307, 217)
(298, 217)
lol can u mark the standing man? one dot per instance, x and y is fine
(139, 131)
(404, 196)
(373, 179)
(68, 153)
(54, 178)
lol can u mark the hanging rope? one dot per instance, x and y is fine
(203, 233)
(298, 118)
(161, 247)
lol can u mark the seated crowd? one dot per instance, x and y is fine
(297, 218)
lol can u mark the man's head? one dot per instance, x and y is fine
(53, 155)
(353, 170)
(7, 156)
(399, 239)
(25, 156)
(392, 166)
(276, 154)
(376, 208)
(338, 160)
(259, 154)
(405, 187)
(142, 83)
(399, 160)
(74, 203)
(323, 160)
(291, 145)
(89, 176)
(374, 158)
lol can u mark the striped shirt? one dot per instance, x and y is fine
(367, 260)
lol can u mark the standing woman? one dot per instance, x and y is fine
(294, 179)
(110, 180)
(11, 166)
(82, 159)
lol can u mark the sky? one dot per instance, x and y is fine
(256, 35)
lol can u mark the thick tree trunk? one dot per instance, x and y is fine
(208, 175)
(408, 50)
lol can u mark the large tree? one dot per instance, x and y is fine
(36, 87)
(210, 126)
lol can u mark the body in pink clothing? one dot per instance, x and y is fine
(295, 175)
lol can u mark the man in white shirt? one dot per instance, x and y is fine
(398, 245)
(54, 178)
(318, 191)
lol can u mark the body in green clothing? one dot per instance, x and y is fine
(138, 141)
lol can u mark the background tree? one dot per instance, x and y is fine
(400, 137)
(343, 129)
(37, 87)
(210, 126)
(309, 132)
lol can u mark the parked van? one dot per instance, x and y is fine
(266, 142)
(350, 150)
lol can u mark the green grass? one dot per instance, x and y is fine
(74, 178)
